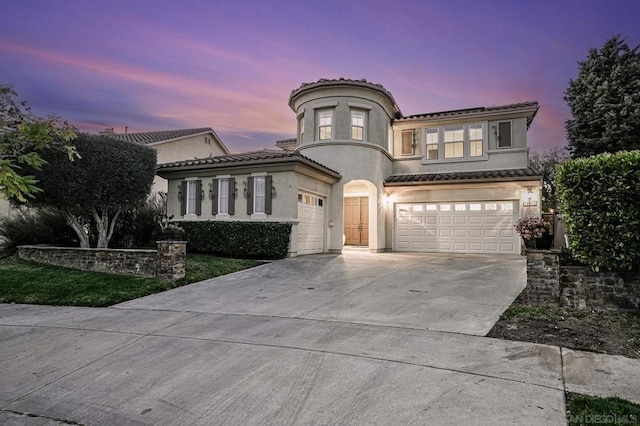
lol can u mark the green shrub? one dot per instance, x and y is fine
(36, 226)
(599, 198)
(139, 227)
(254, 240)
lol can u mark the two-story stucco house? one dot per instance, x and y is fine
(360, 173)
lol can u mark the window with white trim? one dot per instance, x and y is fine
(454, 142)
(476, 140)
(431, 138)
(357, 125)
(301, 121)
(259, 194)
(191, 196)
(223, 196)
(504, 134)
(325, 125)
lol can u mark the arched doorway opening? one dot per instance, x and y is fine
(360, 213)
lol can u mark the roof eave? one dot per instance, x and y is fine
(459, 181)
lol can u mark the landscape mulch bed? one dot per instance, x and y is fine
(608, 332)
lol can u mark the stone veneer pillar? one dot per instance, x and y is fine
(172, 258)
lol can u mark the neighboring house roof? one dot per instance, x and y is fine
(150, 138)
(265, 156)
(456, 177)
(287, 144)
(325, 82)
(531, 107)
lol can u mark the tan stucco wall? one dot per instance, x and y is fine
(187, 149)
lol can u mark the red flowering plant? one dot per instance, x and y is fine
(531, 227)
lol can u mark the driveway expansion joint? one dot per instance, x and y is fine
(38, 416)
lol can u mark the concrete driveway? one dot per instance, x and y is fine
(444, 292)
(317, 340)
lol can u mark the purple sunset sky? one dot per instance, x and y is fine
(231, 65)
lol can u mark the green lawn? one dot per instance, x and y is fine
(583, 410)
(29, 282)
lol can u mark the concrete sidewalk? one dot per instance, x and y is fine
(354, 339)
(63, 365)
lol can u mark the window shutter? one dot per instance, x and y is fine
(504, 134)
(249, 195)
(198, 197)
(214, 196)
(232, 196)
(407, 143)
(268, 187)
(183, 198)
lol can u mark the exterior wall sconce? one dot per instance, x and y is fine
(530, 198)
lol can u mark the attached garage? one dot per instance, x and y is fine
(457, 227)
(310, 223)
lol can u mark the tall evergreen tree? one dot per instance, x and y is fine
(605, 101)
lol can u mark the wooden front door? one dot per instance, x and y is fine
(356, 221)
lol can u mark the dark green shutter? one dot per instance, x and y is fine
(198, 197)
(268, 187)
(232, 196)
(183, 198)
(214, 196)
(249, 195)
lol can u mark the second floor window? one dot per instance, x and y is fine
(432, 144)
(504, 134)
(325, 125)
(357, 125)
(454, 142)
(407, 142)
(475, 140)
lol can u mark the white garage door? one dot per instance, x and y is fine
(458, 227)
(311, 223)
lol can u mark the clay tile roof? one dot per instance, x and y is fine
(510, 174)
(347, 82)
(159, 136)
(253, 157)
(467, 111)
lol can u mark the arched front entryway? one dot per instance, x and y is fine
(360, 214)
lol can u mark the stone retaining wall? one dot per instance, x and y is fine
(168, 262)
(578, 286)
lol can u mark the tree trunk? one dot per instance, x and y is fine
(104, 226)
(77, 227)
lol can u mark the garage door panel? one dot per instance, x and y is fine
(465, 227)
(310, 224)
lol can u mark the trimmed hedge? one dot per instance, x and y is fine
(252, 240)
(599, 197)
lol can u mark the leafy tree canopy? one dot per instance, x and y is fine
(546, 163)
(111, 176)
(605, 101)
(23, 137)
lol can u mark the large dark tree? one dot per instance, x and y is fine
(23, 136)
(605, 101)
(110, 176)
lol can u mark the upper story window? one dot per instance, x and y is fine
(504, 134)
(325, 125)
(432, 143)
(357, 125)
(454, 142)
(476, 140)
(301, 121)
(407, 142)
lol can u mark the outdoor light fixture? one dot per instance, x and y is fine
(530, 198)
